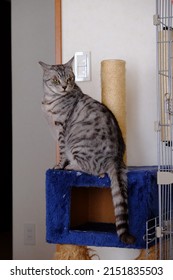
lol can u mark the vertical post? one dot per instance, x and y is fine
(58, 31)
(58, 48)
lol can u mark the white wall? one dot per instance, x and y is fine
(109, 29)
(33, 146)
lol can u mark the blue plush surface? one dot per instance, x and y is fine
(142, 200)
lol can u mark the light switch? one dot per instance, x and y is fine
(82, 66)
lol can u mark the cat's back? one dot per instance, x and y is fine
(91, 110)
(91, 116)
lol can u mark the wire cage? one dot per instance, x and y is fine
(160, 230)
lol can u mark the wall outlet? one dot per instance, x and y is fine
(29, 234)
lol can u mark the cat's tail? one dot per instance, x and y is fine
(118, 178)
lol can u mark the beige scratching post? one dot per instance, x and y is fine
(114, 90)
(72, 252)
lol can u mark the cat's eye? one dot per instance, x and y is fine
(55, 81)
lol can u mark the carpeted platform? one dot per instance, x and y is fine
(142, 201)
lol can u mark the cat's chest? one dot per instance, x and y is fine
(56, 112)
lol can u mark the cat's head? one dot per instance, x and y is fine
(59, 79)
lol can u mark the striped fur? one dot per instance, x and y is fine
(89, 136)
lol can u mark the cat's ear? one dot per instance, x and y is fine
(45, 66)
(70, 62)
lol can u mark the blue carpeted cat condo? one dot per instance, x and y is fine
(79, 208)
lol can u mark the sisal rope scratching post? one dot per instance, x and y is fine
(72, 252)
(114, 90)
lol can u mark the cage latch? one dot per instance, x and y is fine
(156, 20)
(164, 178)
(159, 231)
(157, 126)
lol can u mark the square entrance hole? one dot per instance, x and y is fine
(91, 207)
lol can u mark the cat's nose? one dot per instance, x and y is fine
(64, 87)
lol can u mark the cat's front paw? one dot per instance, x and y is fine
(60, 165)
(57, 166)
(102, 175)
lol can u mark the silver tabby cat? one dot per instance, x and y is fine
(89, 136)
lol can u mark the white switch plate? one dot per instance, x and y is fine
(29, 234)
(82, 66)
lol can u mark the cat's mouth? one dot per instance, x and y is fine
(64, 90)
